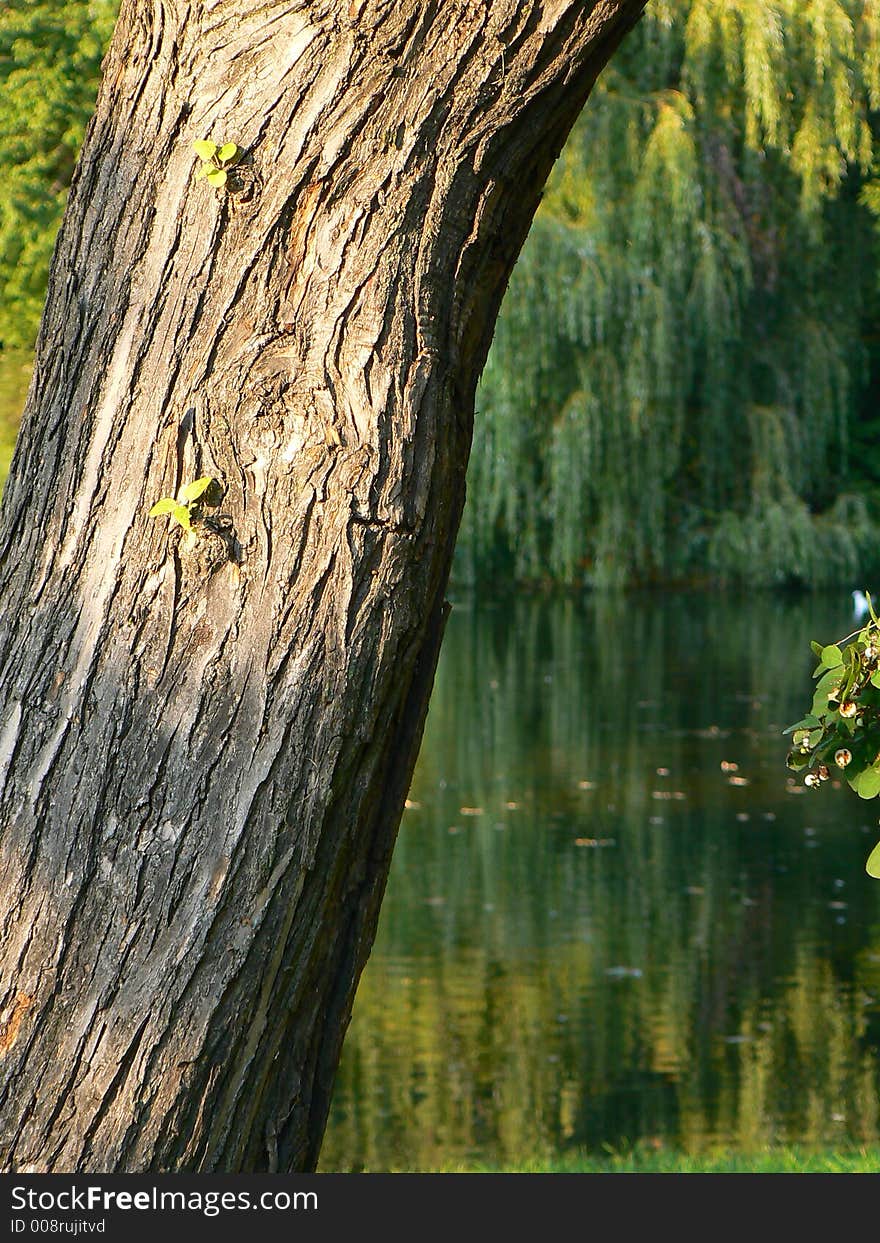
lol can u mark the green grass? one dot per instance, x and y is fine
(639, 1160)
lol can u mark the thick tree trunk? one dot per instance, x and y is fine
(206, 749)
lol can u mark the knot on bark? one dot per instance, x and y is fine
(216, 545)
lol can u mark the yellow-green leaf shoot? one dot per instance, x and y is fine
(180, 514)
(192, 491)
(872, 867)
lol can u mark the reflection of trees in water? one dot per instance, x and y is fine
(466, 1061)
(579, 964)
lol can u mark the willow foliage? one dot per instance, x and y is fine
(679, 358)
(50, 54)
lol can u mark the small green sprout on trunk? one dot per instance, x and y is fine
(841, 732)
(186, 510)
(216, 161)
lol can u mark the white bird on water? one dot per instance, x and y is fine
(860, 605)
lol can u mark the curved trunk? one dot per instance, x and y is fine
(207, 742)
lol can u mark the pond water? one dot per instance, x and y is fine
(613, 916)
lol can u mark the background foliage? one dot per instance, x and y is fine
(683, 378)
(680, 383)
(50, 55)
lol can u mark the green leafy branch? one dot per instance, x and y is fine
(186, 509)
(216, 161)
(842, 728)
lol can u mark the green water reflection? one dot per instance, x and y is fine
(597, 930)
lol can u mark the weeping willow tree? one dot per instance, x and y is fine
(680, 366)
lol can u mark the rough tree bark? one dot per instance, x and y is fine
(206, 751)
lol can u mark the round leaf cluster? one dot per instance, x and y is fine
(841, 732)
(216, 160)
